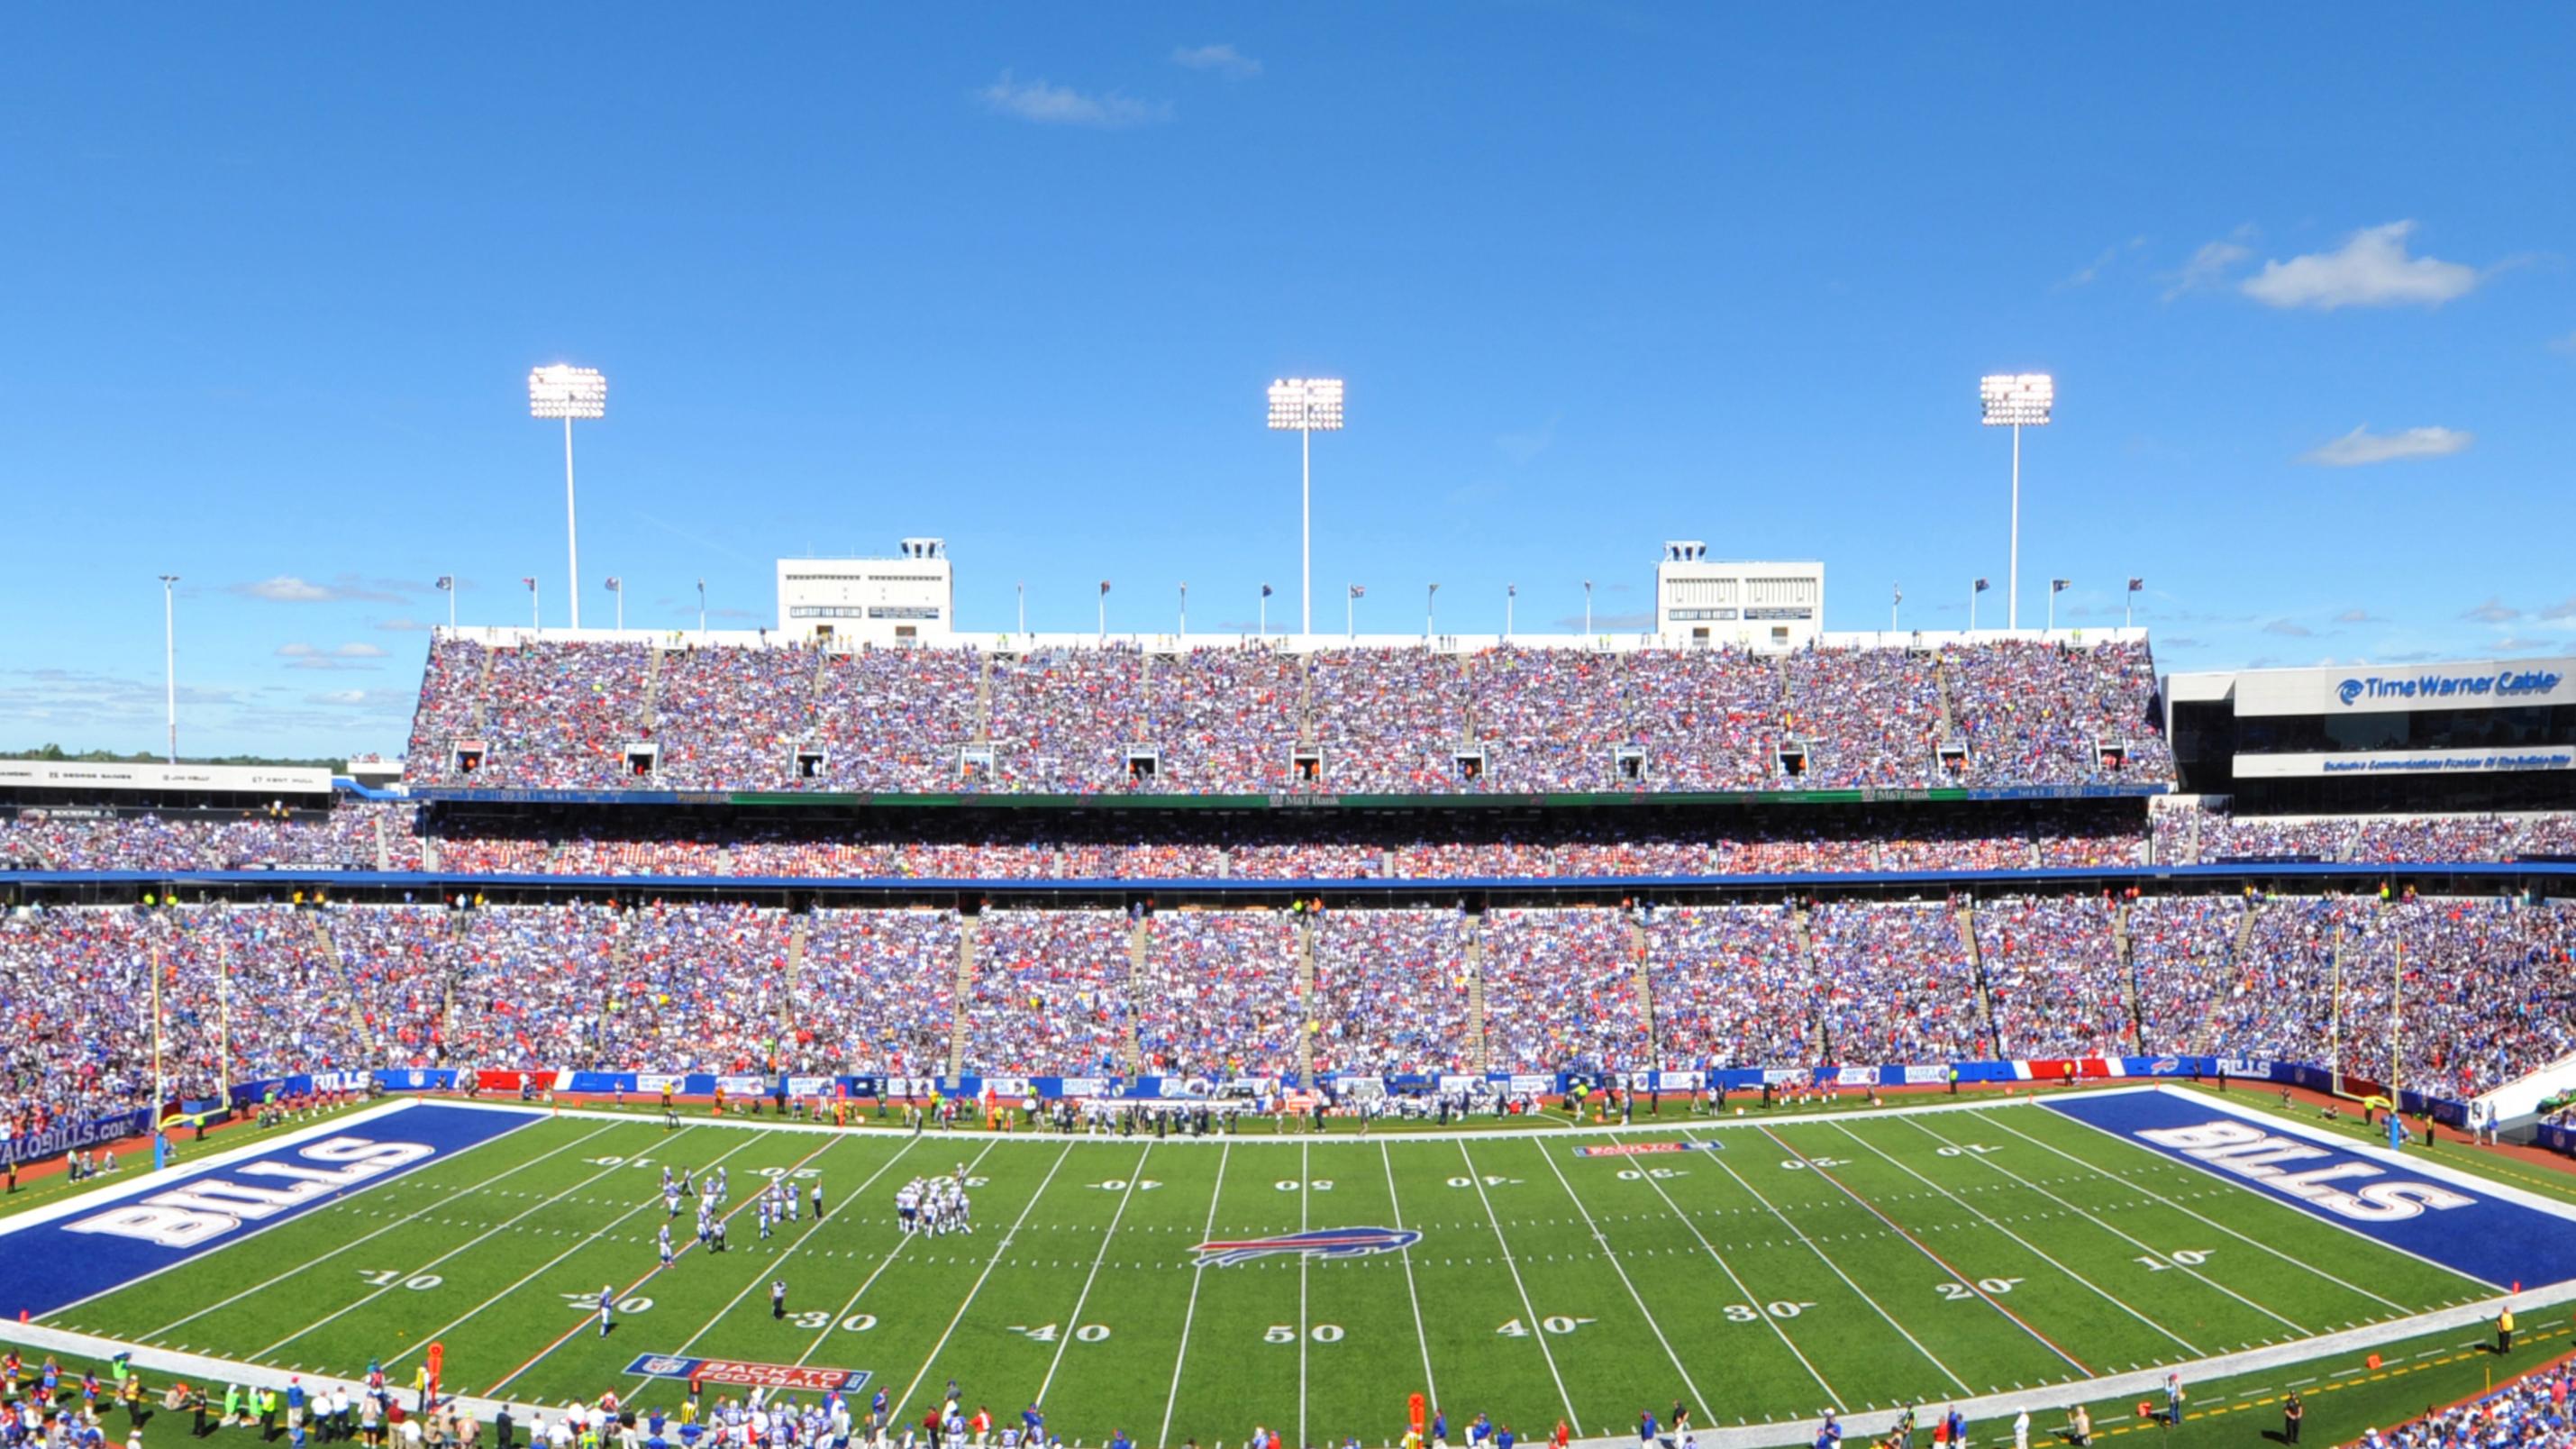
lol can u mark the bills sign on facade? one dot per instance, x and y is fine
(1640, 1149)
(756, 1375)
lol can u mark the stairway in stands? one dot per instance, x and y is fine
(1131, 1053)
(1307, 1015)
(967, 930)
(1480, 1057)
(1967, 917)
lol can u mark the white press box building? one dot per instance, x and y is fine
(910, 598)
(2491, 734)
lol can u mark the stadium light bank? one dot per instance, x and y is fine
(1306, 406)
(568, 392)
(2016, 400)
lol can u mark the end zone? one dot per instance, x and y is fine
(2488, 1232)
(70, 1252)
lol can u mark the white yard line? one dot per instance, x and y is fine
(902, 1242)
(1833, 1398)
(1180, 1354)
(1305, 1325)
(1430, 1384)
(2136, 1186)
(1073, 1325)
(1612, 1256)
(424, 1340)
(482, 1237)
(1538, 1327)
(1821, 1256)
(905, 1398)
(2096, 1289)
(177, 1323)
(771, 1267)
(2143, 1247)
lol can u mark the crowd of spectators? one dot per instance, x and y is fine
(1731, 987)
(1562, 991)
(2197, 834)
(1217, 994)
(1232, 719)
(1391, 991)
(2053, 976)
(2457, 994)
(2531, 1412)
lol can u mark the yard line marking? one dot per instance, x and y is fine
(1634, 1296)
(1997, 1225)
(427, 1338)
(164, 1330)
(1206, 1235)
(2130, 1182)
(902, 1242)
(2196, 1274)
(1800, 1233)
(1431, 1385)
(1921, 1247)
(905, 1398)
(649, 1274)
(484, 1236)
(771, 1267)
(1074, 1325)
(1537, 1327)
(1831, 1394)
(1305, 1316)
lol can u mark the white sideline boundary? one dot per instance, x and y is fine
(208, 1369)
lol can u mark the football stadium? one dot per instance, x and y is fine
(1513, 958)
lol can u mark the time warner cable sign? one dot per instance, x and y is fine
(2502, 684)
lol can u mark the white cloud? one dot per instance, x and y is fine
(2362, 446)
(294, 589)
(2210, 265)
(1225, 60)
(296, 651)
(403, 626)
(2289, 628)
(1064, 106)
(2494, 611)
(285, 589)
(2371, 270)
(359, 651)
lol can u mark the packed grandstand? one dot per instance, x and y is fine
(487, 922)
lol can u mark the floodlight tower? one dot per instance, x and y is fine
(566, 392)
(1306, 406)
(2016, 401)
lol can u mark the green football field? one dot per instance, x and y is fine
(1857, 1263)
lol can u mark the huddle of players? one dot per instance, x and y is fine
(935, 1205)
(774, 1204)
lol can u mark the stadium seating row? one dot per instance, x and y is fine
(1250, 720)
(254, 991)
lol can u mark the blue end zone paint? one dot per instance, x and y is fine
(47, 1266)
(2438, 1218)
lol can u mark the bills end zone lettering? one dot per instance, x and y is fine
(754, 1375)
(2471, 1228)
(52, 1258)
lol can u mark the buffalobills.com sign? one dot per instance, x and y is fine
(2502, 684)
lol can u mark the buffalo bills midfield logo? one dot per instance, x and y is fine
(1318, 1243)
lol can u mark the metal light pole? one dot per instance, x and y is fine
(2055, 587)
(566, 392)
(1431, 613)
(170, 661)
(617, 586)
(1306, 406)
(2016, 401)
(447, 586)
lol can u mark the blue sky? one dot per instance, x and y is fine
(1016, 276)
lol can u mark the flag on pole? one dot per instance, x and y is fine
(1982, 586)
(1104, 586)
(2058, 586)
(1265, 591)
(1900, 592)
(530, 582)
(447, 583)
(1358, 592)
(2136, 584)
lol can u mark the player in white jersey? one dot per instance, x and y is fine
(665, 1245)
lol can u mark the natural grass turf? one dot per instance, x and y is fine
(1794, 1269)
